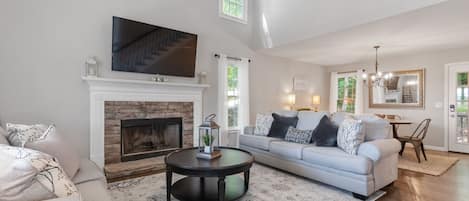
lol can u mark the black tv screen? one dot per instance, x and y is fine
(144, 48)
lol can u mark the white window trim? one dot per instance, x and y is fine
(229, 17)
(358, 93)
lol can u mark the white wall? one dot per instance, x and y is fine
(434, 64)
(271, 82)
(43, 46)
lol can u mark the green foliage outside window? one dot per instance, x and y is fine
(234, 8)
(346, 91)
(233, 96)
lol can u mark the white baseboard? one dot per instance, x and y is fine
(430, 147)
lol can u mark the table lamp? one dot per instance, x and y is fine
(316, 102)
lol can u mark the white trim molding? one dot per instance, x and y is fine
(108, 89)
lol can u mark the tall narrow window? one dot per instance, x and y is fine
(234, 10)
(233, 95)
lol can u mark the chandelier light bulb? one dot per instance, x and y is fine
(379, 74)
(373, 77)
(364, 75)
(390, 75)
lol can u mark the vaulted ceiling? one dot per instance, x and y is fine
(332, 32)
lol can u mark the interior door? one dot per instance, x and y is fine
(458, 107)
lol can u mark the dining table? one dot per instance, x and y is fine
(395, 123)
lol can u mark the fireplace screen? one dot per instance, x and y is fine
(144, 138)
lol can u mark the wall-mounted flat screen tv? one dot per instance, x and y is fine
(144, 48)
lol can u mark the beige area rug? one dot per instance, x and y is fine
(266, 184)
(436, 165)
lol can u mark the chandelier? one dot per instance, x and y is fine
(377, 78)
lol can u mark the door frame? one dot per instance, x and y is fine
(446, 101)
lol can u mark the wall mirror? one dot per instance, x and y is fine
(405, 89)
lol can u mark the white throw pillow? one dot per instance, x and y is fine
(19, 134)
(22, 167)
(3, 137)
(350, 135)
(55, 145)
(45, 139)
(263, 124)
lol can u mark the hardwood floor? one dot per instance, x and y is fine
(452, 185)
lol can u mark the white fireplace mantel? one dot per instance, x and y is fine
(110, 89)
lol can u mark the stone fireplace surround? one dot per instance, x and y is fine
(104, 90)
(115, 111)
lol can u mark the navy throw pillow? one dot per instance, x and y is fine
(325, 134)
(280, 125)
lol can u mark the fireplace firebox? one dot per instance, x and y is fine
(145, 138)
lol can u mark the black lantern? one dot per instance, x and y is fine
(209, 135)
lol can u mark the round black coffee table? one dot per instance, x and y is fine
(208, 180)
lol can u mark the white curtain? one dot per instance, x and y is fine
(359, 95)
(222, 97)
(333, 93)
(243, 85)
(243, 80)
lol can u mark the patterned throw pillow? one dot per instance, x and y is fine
(41, 167)
(350, 135)
(299, 136)
(263, 124)
(19, 134)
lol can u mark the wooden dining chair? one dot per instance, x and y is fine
(416, 139)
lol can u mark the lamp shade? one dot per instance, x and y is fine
(316, 100)
(291, 99)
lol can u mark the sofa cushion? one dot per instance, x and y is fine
(325, 134)
(263, 124)
(334, 157)
(288, 149)
(19, 134)
(259, 142)
(350, 135)
(89, 171)
(287, 113)
(308, 120)
(3, 137)
(25, 166)
(55, 145)
(375, 127)
(280, 125)
(339, 117)
(299, 136)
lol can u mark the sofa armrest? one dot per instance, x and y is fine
(377, 149)
(249, 130)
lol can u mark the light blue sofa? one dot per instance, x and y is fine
(374, 167)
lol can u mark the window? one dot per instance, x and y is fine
(234, 10)
(346, 94)
(233, 94)
(232, 97)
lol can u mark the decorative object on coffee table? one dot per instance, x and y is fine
(209, 132)
(208, 180)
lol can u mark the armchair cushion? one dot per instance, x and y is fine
(377, 149)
